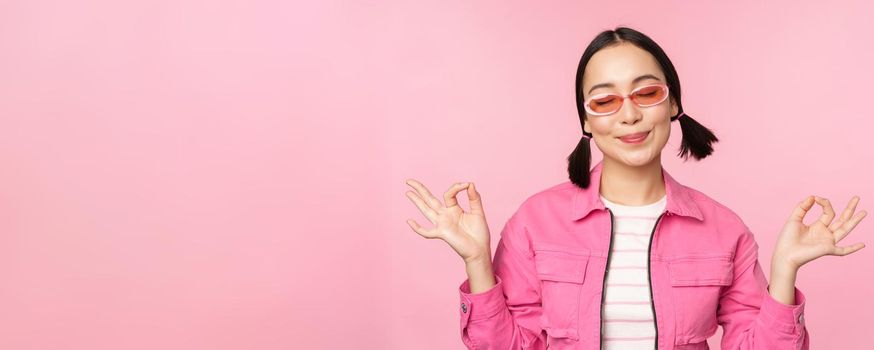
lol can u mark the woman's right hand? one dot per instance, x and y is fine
(466, 232)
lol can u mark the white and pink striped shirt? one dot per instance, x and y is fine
(628, 319)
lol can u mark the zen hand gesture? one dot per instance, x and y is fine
(467, 233)
(798, 243)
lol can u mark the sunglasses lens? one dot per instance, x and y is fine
(645, 97)
(606, 104)
(650, 95)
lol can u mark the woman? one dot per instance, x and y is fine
(622, 256)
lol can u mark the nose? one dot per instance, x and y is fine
(629, 112)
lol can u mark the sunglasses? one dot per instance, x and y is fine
(609, 103)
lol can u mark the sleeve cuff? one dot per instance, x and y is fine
(484, 304)
(789, 318)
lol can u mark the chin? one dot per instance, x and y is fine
(639, 159)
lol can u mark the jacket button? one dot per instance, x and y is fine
(463, 308)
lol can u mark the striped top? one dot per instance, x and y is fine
(628, 319)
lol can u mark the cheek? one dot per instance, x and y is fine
(664, 130)
(661, 133)
(599, 126)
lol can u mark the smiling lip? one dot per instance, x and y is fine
(636, 137)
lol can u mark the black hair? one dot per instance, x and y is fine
(697, 139)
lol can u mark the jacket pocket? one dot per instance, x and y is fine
(697, 282)
(562, 271)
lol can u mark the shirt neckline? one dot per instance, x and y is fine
(645, 206)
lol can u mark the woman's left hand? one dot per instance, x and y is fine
(799, 244)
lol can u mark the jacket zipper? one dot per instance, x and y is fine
(649, 279)
(604, 283)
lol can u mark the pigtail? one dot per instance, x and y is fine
(579, 162)
(697, 139)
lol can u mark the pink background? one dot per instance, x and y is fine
(229, 175)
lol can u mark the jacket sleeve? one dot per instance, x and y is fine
(751, 318)
(507, 316)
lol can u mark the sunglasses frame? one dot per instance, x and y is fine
(622, 99)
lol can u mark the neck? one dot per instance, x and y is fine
(632, 185)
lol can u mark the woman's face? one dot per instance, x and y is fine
(619, 65)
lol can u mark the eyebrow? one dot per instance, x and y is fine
(642, 77)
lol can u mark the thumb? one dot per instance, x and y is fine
(476, 203)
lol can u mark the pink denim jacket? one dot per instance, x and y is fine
(550, 268)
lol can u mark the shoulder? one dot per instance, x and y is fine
(548, 205)
(544, 211)
(707, 203)
(729, 230)
(716, 214)
(555, 198)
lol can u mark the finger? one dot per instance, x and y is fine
(801, 209)
(424, 208)
(476, 202)
(845, 216)
(426, 195)
(851, 207)
(449, 196)
(848, 226)
(421, 230)
(828, 213)
(836, 225)
(841, 251)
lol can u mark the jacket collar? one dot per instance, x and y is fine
(679, 201)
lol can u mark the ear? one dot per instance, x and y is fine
(586, 127)
(674, 108)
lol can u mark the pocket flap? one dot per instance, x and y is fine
(570, 333)
(560, 263)
(702, 271)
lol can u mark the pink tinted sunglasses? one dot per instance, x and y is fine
(609, 103)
